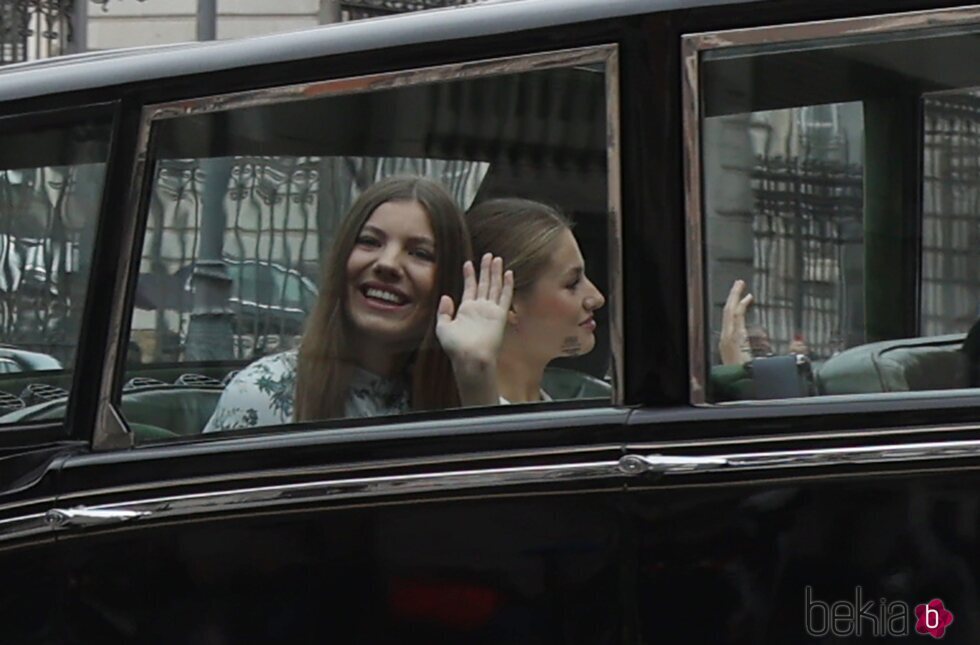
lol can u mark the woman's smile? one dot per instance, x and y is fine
(384, 297)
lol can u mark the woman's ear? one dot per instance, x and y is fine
(512, 316)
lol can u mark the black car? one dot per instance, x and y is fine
(164, 214)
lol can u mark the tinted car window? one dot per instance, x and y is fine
(246, 204)
(51, 180)
(838, 217)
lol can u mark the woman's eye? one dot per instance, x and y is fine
(424, 254)
(575, 284)
(367, 240)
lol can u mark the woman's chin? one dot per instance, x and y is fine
(388, 333)
(588, 344)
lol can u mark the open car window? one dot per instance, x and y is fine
(52, 172)
(835, 216)
(248, 199)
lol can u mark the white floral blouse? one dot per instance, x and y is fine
(263, 394)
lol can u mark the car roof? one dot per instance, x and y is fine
(115, 67)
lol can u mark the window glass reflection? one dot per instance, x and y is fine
(311, 260)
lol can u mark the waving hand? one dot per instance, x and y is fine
(472, 334)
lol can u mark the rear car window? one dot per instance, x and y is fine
(838, 215)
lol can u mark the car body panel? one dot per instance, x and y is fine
(650, 521)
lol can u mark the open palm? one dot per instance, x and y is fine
(734, 342)
(475, 331)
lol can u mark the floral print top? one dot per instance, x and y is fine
(263, 394)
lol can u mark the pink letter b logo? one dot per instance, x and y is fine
(932, 618)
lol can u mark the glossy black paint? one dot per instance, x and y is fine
(720, 562)
(470, 571)
(730, 564)
(32, 576)
(711, 558)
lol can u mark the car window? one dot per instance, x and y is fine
(51, 178)
(838, 214)
(251, 201)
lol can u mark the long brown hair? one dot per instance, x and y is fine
(521, 231)
(324, 369)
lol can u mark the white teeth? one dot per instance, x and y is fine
(383, 295)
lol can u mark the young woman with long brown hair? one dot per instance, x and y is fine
(553, 304)
(385, 335)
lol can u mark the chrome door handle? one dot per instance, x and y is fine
(664, 464)
(81, 516)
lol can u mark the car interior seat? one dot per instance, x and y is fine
(904, 365)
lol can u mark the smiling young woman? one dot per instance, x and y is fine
(553, 305)
(385, 335)
(390, 280)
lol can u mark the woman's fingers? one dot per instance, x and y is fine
(733, 344)
(446, 308)
(483, 282)
(743, 304)
(731, 305)
(734, 295)
(496, 279)
(736, 304)
(490, 283)
(507, 292)
(469, 281)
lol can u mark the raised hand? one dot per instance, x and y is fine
(734, 342)
(472, 334)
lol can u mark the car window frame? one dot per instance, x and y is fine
(48, 115)
(774, 36)
(112, 432)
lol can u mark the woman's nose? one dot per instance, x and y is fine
(595, 299)
(387, 263)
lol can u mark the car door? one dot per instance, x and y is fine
(52, 174)
(822, 485)
(461, 525)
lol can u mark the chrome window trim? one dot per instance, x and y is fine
(723, 446)
(860, 26)
(320, 491)
(694, 234)
(870, 435)
(692, 47)
(614, 225)
(309, 472)
(24, 526)
(626, 469)
(111, 431)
